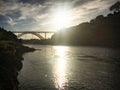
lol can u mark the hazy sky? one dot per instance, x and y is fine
(41, 14)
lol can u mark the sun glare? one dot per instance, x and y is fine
(61, 19)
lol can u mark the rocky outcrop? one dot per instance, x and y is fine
(11, 51)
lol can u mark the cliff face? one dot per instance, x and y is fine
(101, 31)
(11, 51)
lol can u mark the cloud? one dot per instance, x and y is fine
(14, 14)
(25, 24)
(86, 10)
(4, 22)
(32, 1)
(36, 14)
(3, 18)
(82, 2)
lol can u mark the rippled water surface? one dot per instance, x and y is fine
(70, 68)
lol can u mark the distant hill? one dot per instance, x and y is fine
(101, 31)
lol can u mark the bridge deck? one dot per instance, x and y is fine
(33, 31)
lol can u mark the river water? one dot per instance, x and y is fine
(70, 68)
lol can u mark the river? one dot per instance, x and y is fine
(70, 68)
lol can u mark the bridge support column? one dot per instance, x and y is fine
(45, 36)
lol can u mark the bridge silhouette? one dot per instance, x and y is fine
(36, 33)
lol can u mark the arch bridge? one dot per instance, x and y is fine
(36, 33)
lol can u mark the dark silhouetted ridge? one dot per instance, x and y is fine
(101, 31)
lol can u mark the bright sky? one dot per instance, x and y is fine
(47, 15)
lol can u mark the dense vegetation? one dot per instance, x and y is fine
(101, 31)
(11, 50)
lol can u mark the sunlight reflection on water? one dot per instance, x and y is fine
(70, 68)
(60, 69)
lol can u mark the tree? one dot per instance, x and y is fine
(115, 7)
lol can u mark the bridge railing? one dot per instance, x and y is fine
(33, 31)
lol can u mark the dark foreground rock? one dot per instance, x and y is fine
(11, 51)
(10, 64)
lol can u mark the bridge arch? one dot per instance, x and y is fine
(34, 33)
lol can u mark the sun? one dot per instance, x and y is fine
(61, 19)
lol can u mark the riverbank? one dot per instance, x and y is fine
(11, 63)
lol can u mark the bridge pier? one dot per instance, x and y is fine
(45, 35)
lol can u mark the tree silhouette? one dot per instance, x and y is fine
(115, 7)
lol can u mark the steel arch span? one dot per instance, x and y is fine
(34, 33)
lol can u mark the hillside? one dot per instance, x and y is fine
(101, 31)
